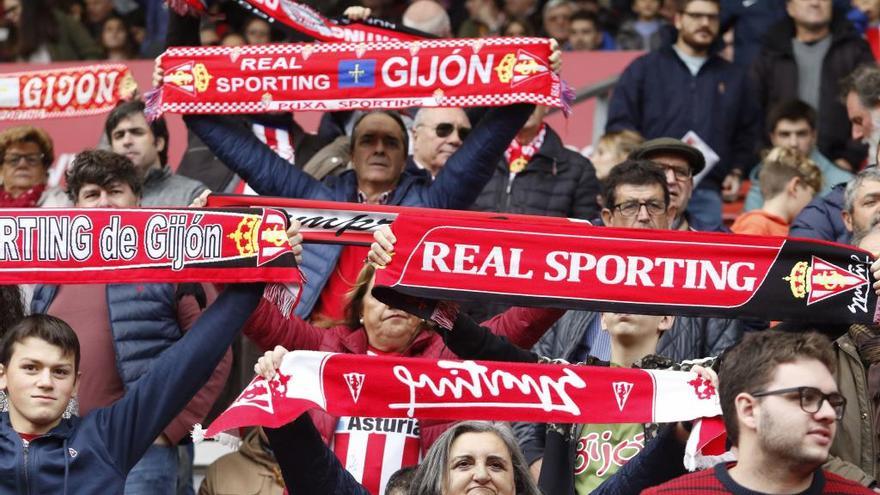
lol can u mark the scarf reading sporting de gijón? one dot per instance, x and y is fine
(555, 262)
(391, 387)
(67, 92)
(96, 245)
(357, 76)
(303, 19)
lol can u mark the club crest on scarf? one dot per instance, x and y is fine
(819, 280)
(355, 382)
(189, 77)
(621, 393)
(703, 388)
(266, 237)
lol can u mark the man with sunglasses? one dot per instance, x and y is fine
(781, 408)
(437, 133)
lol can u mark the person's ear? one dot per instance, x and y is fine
(76, 383)
(746, 408)
(665, 323)
(160, 144)
(606, 216)
(847, 220)
(792, 185)
(2, 377)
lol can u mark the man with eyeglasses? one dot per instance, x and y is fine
(437, 133)
(681, 162)
(805, 56)
(685, 90)
(636, 195)
(781, 408)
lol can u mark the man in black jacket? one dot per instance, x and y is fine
(540, 176)
(812, 37)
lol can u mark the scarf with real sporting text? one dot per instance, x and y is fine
(67, 92)
(357, 76)
(97, 246)
(567, 263)
(303, 19)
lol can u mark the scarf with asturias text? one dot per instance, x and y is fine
(67, 92)
(98, 246)
(566, 263)
(357, 76)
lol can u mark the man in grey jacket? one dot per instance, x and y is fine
(146, 145)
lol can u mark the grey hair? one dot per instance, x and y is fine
(865, 83)
(868, 174)
(432, 473)
(552, 4)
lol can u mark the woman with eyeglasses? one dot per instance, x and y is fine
(27, 152)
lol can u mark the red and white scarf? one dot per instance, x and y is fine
(98, 246)
(393, 387)
(567, 263)
(357, 76)
(518, 155)
(68, 92)
(303, 19)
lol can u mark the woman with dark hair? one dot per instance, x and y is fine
(116, 39)
(40, 33)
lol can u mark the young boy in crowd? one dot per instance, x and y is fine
(788, 180)
(40, 452)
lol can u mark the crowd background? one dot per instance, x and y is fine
(763, 118)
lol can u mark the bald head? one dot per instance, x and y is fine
(429, 17)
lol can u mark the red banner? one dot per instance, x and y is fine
(628, 270)
(68, 92)
(357, 76)
(392, 387)
(94, 245)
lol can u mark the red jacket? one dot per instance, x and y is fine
(267, 327)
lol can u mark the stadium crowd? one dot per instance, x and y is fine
(741, 117)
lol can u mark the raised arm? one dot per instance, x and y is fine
(130, 425)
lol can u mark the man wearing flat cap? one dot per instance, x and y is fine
(681, 162)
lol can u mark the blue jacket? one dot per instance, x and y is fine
(822, 218)
(143, 321)
(457, 186)
(95, 453)
(658, 97)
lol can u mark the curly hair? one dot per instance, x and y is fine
(28, 134)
